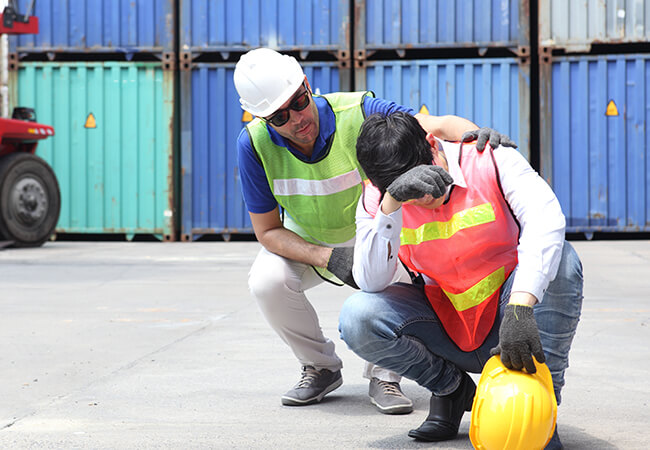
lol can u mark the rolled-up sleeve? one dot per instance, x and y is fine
(376, 248)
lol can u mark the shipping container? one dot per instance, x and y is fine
(575, 25)
(113, 148)
(92, 26)
(285, 25)
(595, 140)
(410, 24)
(491, 92)
(211, 119)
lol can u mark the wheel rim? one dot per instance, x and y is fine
(29, 201)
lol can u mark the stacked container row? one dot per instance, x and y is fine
(115, 149)
(213, 35)
(113, 152)
(594, 112)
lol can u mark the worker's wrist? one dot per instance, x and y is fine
(522, 298)
(389, 205)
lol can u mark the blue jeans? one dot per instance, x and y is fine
(397, 329)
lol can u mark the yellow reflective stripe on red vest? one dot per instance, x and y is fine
(479, 292)
(467, 218)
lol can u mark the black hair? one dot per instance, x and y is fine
(389, 145)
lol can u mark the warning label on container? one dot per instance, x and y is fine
(90, 121)
(612, 110)
(246, 117)
(424, 110)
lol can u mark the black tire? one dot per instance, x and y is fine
(30, 200)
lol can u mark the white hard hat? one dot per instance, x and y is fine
(265, 79)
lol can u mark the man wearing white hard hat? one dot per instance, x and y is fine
(299, 154)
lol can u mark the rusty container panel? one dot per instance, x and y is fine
(211, 120)
(576, 25)
(492, 92)
(99, 26)
(597, 158)
(113, 148)
(285, 25)
(407, 24)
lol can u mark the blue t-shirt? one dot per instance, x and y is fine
(255, 186)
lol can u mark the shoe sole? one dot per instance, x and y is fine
(290, 401)
(397, 409)
(428, 438)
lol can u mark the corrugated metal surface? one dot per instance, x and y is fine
(575, 25)
(403, 24)
(100, 26)
(300, 25)
(118, 176)
(211, 120)
(598, 161)
(490, 92)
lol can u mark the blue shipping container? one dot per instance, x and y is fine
(490, 92)
(597, 157)
(285, 25)
(211, 119)
(99, 26)
(575, 25)
(405, 24)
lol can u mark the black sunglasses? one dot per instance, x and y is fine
(282, 116)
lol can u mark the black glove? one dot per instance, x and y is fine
(340, 264)
(420, 181)
(519, 339)
(482, 135)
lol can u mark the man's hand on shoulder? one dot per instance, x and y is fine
(483, 135)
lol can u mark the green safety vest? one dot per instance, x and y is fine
(319, 196)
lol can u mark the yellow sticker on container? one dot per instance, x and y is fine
(246, 117)
(424, 110)
(90, 121)
(612, 110)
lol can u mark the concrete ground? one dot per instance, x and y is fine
(119, 345)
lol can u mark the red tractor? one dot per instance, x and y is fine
(30, 200)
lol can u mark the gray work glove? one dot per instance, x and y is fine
(519, 339)
(420, 181)
(482, 135)
(340, 264)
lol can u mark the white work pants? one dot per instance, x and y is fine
(279, 284)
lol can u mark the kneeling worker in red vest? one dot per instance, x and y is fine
(483, 238)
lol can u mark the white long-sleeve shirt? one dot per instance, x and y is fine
(531, 199)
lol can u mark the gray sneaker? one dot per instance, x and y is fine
(388, 397)
(312, 387)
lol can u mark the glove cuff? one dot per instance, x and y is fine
(519, 311)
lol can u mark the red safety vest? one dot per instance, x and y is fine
(468, 246)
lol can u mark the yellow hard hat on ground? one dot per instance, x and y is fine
(512, 409)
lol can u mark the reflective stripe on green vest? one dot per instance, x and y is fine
(321, 197)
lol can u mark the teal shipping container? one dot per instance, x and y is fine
(491, 92)
(113, 149)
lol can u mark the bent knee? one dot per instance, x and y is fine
(266, 285)
(356, 318)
